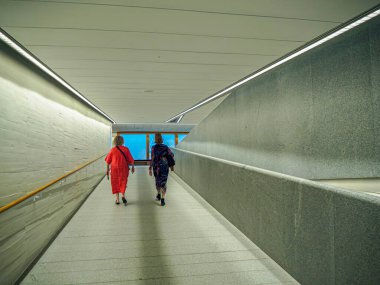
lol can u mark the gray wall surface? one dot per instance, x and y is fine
(27, 228)
(316, 116)
(45, 133)
(318, 233)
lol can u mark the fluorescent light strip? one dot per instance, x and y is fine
(275, 64)
(31, 58)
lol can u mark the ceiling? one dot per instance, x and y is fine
(145, 61)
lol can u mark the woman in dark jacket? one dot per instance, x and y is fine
(160, 166)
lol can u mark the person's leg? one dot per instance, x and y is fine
(115, 189)
(163, 193)
(158, 196)
(161, 185)
(163, 181)
(123, 195)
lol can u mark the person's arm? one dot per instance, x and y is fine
(172, 155)
(151, 162)
(133, 166)
(108, 160)
(131, 161)
(108, 171)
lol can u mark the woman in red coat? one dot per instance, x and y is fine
(119, 158)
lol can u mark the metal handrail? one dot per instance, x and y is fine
(34, 192)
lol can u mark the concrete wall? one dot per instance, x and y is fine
(45, 133)
(318, 233)
(27, 228)
(315, 117)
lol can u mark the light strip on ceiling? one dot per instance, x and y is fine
(179, 119)
(21, 50)
(328, 36)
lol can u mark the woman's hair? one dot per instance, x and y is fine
(118, 140)
(158, 138)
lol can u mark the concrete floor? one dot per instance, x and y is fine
(185, 242)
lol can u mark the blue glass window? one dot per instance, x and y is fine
(136, 144)
(169, 139)
(181, 137)
(151, 143)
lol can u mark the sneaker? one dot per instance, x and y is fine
(158, 197)
(162, 202)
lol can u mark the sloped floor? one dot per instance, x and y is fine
(185, 242)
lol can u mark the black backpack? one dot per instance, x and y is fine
(170, 159)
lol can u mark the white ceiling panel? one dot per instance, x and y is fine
(145, 61)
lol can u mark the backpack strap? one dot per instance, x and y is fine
(126, 160)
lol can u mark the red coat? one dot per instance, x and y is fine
(119, 168)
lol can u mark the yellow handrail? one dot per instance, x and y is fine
(30, 194)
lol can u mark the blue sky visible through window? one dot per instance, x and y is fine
(137, 143)
(181, 137)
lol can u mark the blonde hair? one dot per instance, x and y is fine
(118, 140)
(158, 138)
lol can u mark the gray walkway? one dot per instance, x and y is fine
(185, 242)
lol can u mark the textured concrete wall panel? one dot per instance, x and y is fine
(41, 139)
(28, 227)
(357, 228)
(317, 233)
(375, 82)
(315, 116)
(45, 133)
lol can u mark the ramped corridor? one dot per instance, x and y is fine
(185, 242)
